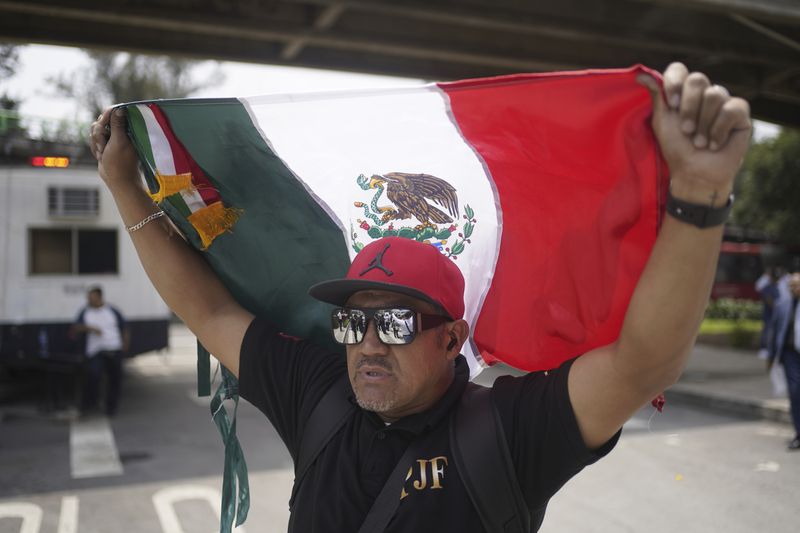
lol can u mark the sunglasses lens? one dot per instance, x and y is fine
(396, 326)
(348, 325)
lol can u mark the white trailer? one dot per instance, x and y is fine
(60, 234)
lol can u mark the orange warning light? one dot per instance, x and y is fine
(50, 161)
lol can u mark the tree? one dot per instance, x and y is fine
(115, 77)
(9, 62)
(768, 196)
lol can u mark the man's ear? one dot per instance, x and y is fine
(453, 342)
(459, 333)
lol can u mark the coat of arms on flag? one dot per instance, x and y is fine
(413, 212)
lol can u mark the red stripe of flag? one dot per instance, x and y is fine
(184, 162)
(577, 231)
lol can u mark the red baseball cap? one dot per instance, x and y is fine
(401, 265)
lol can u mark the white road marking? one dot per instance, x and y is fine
(768, 466)
(30, 513)
(774, 431)
(673, 439)
(165, 499)
(93, 451)
(68, 519)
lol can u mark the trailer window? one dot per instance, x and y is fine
(73, 251)
(73, 202)
(97, 251)
(51, 251)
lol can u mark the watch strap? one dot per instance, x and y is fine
(702, 216)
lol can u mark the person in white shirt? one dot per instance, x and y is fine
(107, 341)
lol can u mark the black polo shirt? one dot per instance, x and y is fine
(286, 377)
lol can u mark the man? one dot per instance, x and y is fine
(785, 348)
(555, 422)
(107, 339)
(767, 288)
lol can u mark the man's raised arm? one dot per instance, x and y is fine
(175, 269)
(703, 134)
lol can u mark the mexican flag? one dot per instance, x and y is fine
(545, 190)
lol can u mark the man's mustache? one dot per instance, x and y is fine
(376, 361)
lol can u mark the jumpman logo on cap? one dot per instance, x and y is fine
(377, 262)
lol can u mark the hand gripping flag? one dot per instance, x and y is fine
(545, 189)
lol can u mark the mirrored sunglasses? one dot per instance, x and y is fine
(395, 325)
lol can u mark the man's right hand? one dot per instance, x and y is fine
(117, 162)
(175, 269)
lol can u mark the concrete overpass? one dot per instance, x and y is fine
(751, 46)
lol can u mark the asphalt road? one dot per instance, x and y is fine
(156, 467)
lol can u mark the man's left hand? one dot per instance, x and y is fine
(703, 133)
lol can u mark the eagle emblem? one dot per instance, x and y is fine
(429, 203)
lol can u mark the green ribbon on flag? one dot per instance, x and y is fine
(235, 474)
(203, 371)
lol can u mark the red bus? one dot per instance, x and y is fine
(742, 263)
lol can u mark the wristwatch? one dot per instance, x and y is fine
(702, 216)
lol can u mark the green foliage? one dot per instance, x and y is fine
(736, 332)
(9, 60)
(724, 326)
(742, 337)
(10, 121)
(734, 309)
(768, 193)
(115, 77)
(9, 104)
(66, 131)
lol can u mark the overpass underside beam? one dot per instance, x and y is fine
(745, 44)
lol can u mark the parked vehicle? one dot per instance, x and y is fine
(743, 258)
(60, 235)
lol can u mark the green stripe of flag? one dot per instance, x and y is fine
(283, 242)
(179, 203)
(141, 141)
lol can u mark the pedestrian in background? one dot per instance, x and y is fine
(767, 288)
(785, 348)
(107, 340)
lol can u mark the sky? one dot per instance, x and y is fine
(37, 62)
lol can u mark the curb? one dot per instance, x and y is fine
(774, 410)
